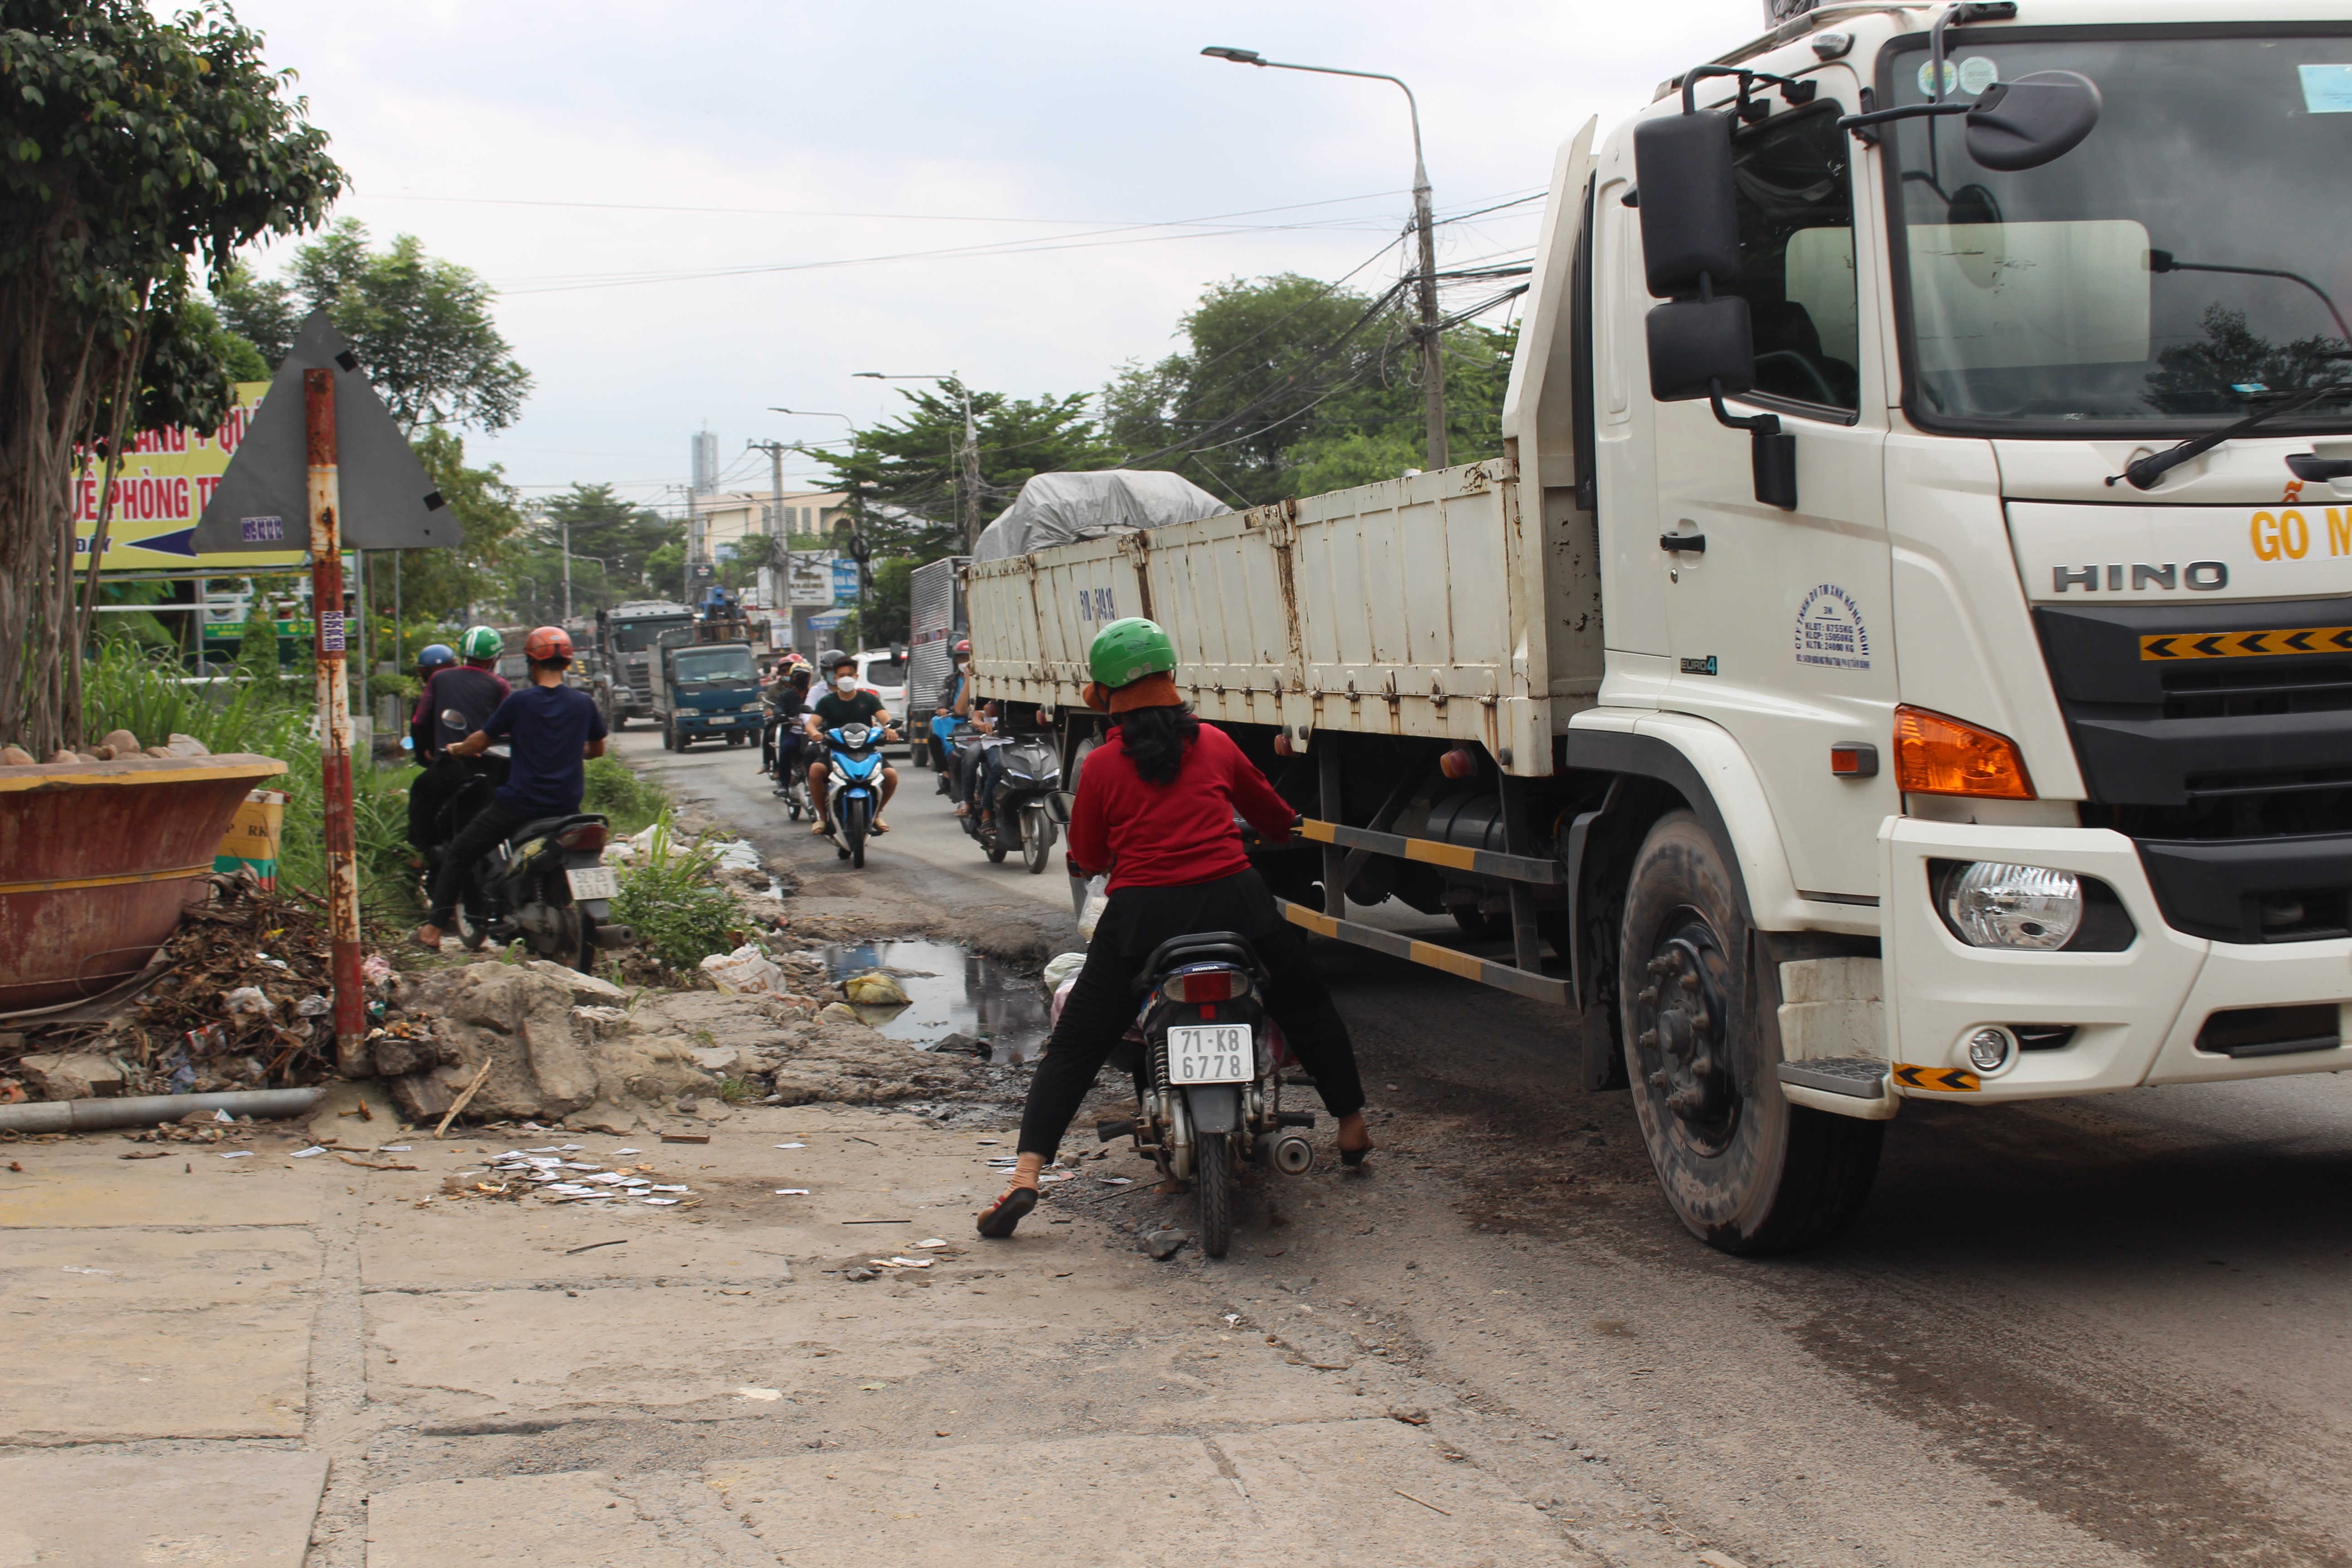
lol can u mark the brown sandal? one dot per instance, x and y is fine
(1007, 1212)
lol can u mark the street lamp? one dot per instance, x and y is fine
(1432, 372)
(970, 486)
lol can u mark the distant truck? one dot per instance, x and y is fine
(706, 690)
(629, 636)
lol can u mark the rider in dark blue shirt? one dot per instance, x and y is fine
(550, 729)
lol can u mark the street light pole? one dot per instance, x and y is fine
(970, 484)
(1433, 362)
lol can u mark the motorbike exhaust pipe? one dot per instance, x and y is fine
(614, 936)
(1287, 1151)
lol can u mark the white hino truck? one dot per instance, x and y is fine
(1905, 649)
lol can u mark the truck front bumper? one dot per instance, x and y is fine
(2136, 1015)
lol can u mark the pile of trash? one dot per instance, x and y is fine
(558, 1175)
(242, 998)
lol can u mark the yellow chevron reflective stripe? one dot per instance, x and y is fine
(2247, 645)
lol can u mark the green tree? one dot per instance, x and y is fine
(620, 534)
(665, 571)
(1288, 386)
(439, 585)
(133, 150)
(421, 326)
(908, 472)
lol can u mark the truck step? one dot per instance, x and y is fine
(1865, 1078)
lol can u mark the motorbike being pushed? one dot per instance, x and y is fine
(1208, 1069)
(546, 883)
(853, 791)
(1025, 805)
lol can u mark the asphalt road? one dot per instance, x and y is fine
(2101, 1332)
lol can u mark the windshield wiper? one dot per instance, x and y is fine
(2145, 474)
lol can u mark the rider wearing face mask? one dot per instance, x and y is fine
(842, 704)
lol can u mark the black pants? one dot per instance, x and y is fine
(1103, 1005)
(442, 777)
(455, 872)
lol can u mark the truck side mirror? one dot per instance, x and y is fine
(1700, 344)
(2039, 118)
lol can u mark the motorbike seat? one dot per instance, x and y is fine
(549, 825)
(1202, 947)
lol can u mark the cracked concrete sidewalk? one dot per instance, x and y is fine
(267, 1362)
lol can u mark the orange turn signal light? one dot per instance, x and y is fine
(1937, 755)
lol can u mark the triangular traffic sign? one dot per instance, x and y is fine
(263, 498)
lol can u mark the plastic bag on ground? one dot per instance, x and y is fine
(1061, 966)
(739, 855)
(874, 989)
(747, 971)
(245, 1002)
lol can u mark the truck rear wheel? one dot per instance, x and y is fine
(1746, 1171)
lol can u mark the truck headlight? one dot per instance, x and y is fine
(1989, 903)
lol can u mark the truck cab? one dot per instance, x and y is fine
(630, 636)
(706, 691)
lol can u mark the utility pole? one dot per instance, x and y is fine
(567, 573)
(1433, 362)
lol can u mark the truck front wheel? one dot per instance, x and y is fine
(1746, 1171)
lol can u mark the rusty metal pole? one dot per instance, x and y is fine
(334, 720)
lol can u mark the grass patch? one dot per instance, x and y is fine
(679, 914)
(618, 792)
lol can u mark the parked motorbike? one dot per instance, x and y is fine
(546, 883)
(853, 792)
(1024, 806)
(1207, 1071)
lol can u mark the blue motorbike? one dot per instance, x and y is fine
(853, 793)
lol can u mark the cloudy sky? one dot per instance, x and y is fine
(696, 211)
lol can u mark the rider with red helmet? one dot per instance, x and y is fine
(550, 729)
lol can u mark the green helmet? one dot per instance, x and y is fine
(1129, 649)
(480, 642)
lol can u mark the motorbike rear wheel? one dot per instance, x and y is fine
(1213, 1185)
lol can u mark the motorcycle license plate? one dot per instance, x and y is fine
(1211, 1053)
(592, 882)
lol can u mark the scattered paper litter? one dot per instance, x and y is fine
(780, 1146)
(547, 1151)
(934, 1241)
(606, 1178)
(658, 1200)
(759, 1393)
(1057, 1176)
(239, 1154)
(393, 1148)
(306, 1153)
(70, 1269)
(914, 1262)
(569, 1147)
(660, 1188)
(1119, 1181)
(618, 1152)
(791, 1191)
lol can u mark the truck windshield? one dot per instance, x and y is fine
(2173, 272)
(702, 666)
(635, 637)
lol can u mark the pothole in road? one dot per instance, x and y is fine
(953, 992)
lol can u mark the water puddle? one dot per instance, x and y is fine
(954, 992)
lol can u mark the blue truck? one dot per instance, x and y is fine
(706, 690)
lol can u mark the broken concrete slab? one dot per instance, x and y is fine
(516, 1018)
(82, 1509)
(79, 1075)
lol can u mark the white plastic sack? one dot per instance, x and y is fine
(245, 1002)
(746, 971)
(1055, 509)
(1063, 966)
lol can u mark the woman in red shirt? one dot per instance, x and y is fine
(1155, 809)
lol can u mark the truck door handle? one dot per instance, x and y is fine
(1694, 542)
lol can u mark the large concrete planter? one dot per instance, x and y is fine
(97, 860)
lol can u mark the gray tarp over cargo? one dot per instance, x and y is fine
(1055, 509)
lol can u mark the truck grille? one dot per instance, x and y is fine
(641, 681)
(2233, 775)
